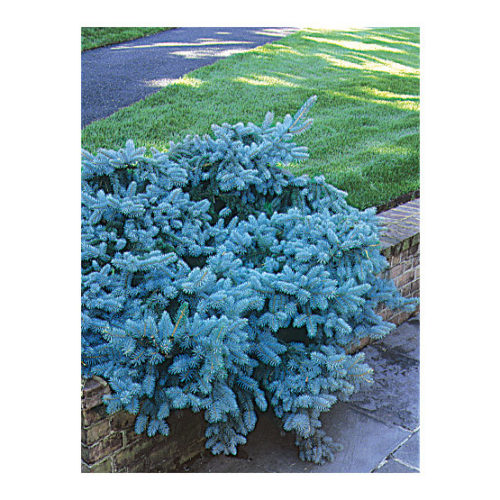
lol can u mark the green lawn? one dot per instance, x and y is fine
(365, 137)
(98, 37)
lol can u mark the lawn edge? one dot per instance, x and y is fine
(126, 40)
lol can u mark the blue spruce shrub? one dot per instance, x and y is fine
(214, 280)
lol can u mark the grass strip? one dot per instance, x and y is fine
(99, 37)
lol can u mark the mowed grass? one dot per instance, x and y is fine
(365, 136)
(99, 37)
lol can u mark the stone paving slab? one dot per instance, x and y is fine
(394, 396)
(366, 442)
(395, 467)
(118, 75)
(409, 452)
(405, 340)
(378, 428)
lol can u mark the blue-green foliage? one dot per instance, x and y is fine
(214, 280)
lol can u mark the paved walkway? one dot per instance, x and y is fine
(378, 428)
(118, 75)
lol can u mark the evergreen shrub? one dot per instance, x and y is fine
(212, 279)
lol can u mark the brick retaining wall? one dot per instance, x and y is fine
(404, 269)
(400, 242)
(109, 443)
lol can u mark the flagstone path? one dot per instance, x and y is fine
(379, 428)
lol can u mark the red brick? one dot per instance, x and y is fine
(90, 385)
(405, 316)
(384, 275)
(129, 436)
(407, 265)
(415, 249)
(390, 317)
(171, 464)
(93, 415)
(386, 314)
(406, 290)
(104, 466)
(358, 345)
(395, 260)
(134, 452)
(404, 255)
(92, 434)
(93, 397)
(395, 271)
(401, 317)
(93, 390)
(122, 421)
(92, 454)
(139, 466)
(169, 451)
(405, 278)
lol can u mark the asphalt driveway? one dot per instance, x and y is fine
(118, 75)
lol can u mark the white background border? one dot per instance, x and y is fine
(41, 231)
